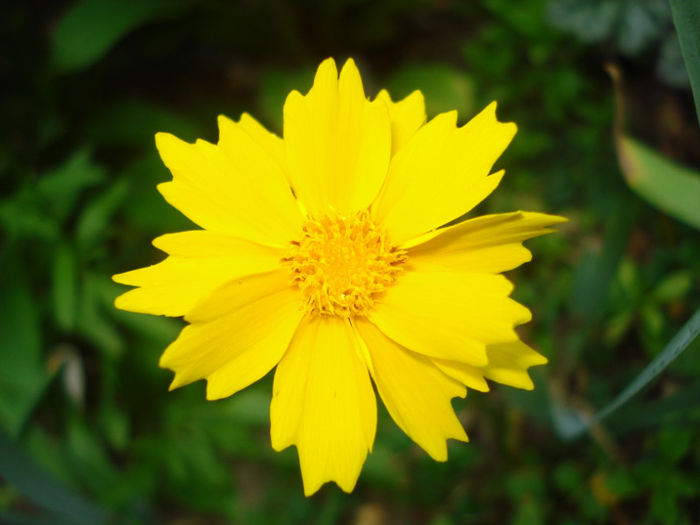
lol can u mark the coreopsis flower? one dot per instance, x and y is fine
(325, 254)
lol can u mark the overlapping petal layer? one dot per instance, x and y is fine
(441, 173)
(233, 340)
(200, 261)
(416, 393)
(488, 244)
(338, 143)
(406, 116)
(235, 187)
(323, 403)
(450, 315)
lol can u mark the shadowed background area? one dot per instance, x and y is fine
(89, 433)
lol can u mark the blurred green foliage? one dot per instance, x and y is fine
(82, 402)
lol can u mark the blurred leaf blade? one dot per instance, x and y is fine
(598, 265)
(570, 423)
(686, 18)
(92, 27)
(98, 213)
(22, 374)
(60, 187)
(18, 469)
(668, 186)
(65, 287)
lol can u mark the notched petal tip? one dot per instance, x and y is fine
(224, 121)
(118, 301)
(327, 72)
(446, 118)
(349, 67)
(120, 278)
(165, 141)
(507, 128)
(293, 99)
(177, 382)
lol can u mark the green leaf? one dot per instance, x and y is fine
(670, 66)
(641, 23)
(21, 216)
(589, 21)
(22, 374)
(570, 423)
(675, 442)
(93, 325)
(686, 18)
(666, 185)
(92, 27)
(673, 287)
(598, 266)
(60, 187)
(445, 87)
(97, 214)
(15, 518)
(37, 485)
(65, 287)
(88, 458)
(678, 408)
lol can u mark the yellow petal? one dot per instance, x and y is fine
(243, 341)
(416, 394)
(508, 364)
(406, 115)
(270, 142)
(449, 315)
(469, 376)
(490, 244)
(337, 142)
(236, 293)
(201, 262)
(235, 187)
(442, 173)
(324, 404)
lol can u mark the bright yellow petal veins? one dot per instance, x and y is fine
(449, 315)
(416, 394)
(489, 244)
(406, 115)
(324, 404)
(442, 173)
(338, 143)
(201, 261)
(242, 344)
(235, 187)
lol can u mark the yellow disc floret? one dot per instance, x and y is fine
(342, 264)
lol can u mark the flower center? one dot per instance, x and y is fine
(342, 264)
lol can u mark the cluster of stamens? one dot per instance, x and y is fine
(342, 264)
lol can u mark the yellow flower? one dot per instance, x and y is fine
(323, 253)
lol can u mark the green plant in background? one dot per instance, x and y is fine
(80, 392)
(634, 27)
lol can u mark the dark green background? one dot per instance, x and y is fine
(86, 85)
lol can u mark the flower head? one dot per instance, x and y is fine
(325, 254)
